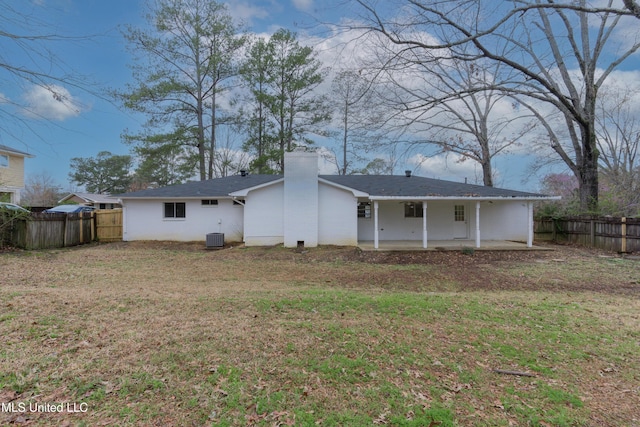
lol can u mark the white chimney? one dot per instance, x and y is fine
(300, 199)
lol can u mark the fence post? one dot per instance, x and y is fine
(94, 220)
(593, 233)
(623, 231)
(64, 235)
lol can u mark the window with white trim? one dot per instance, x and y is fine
(175, 210)
(364, 209)
(4, 161)
(209, 202)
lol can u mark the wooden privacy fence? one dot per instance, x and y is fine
(609, 233)
(109, 225)
(49, 230)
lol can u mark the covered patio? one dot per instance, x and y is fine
(448, 245)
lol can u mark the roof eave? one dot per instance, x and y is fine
(476, 198)
(356, 193)
(17, 153)
(200, 197)
(245, 191)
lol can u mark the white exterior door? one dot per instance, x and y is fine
(460, 222)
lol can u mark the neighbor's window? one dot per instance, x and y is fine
(4, 161)
(458, 213)
(364, 210)
(175, 210)
(209, 202)
(413, 210)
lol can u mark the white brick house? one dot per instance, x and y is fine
(304, 208)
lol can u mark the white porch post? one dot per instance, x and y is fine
(477, 224)
(530, 224)
(375, 224)
(424, 225)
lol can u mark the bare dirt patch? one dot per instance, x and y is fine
(598, 271)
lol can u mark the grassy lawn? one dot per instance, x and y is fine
(174, 335)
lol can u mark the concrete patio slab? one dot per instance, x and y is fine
(448, 245)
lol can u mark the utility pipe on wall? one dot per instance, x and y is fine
(477, 224)
(424, 225)
(529, 224)
(375, 224)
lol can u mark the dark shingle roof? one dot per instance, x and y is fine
(374, 185)
(217, 187)
(7, 149)
(417, 186)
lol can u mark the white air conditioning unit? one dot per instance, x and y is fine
(215, 240)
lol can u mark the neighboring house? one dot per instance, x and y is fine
(98, 201)
(303, 208)
(11, 173)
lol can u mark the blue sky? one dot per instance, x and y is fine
(88, 124)
(93, 124)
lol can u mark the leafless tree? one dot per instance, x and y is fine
(460, 108)
(561, 52)
(41, 190)
(619, 146)
(356, 111)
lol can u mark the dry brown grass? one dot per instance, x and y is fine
(171, 334)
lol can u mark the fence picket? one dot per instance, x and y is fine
(47, 230)
(609, 233)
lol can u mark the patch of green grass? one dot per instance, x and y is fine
(337, 301)
(556, 395)
(20, 382)
(88, 389)
(6, 317)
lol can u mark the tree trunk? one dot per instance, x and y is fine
(588, 169)
(212, 142)
(487, 174)
(345, 137)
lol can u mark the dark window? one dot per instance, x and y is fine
(103, 206)
(458, 213)
(364, 210)
(412, 210)
(175, 210)
(239, 202)
(209, 202)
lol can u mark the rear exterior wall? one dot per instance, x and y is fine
(144, 220)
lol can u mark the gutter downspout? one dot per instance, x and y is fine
(424, 225)
(529, 224)
(375, 224)
(477, 224)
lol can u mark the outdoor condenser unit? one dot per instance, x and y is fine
(215, 240)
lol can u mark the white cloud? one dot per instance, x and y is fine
(304, 5)
(246, 12)
(51, 103)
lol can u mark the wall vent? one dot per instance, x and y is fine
(215, 240)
